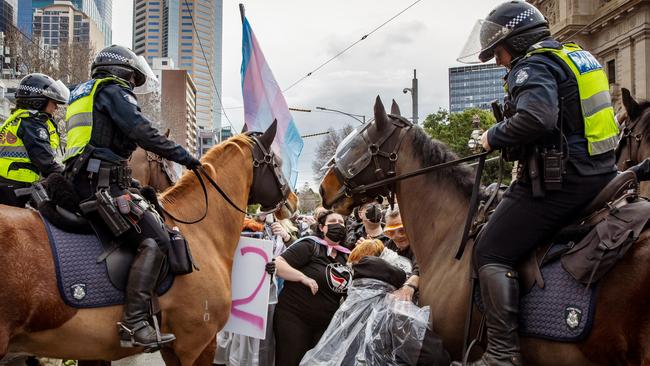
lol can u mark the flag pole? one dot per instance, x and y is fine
(242, 11)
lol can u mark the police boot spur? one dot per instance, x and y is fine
(134, 329)
(500, 295)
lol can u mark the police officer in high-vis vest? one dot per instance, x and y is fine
(28, 138)
(104, 127)
(559, 124)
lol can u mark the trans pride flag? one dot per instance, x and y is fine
(264, 102)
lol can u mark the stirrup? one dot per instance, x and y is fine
(131, 342)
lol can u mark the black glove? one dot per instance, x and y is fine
(270, 267)
(191, 162)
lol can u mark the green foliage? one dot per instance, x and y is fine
(454, 129)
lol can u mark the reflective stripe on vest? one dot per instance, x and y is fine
(79, 116)
(12, 149)
(601, 129)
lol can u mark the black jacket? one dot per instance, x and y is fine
(119, 128)
(536, 85)
(34, 133)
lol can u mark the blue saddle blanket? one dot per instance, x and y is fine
(562, 311)
(83, 281)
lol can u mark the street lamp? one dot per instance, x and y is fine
(414, 96)
(347, 114)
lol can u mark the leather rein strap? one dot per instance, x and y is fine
(214, 184)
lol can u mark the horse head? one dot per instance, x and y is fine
(367, 155)
(634, 145)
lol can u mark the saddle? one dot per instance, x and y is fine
(620, 191)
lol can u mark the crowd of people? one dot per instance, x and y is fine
(330, 272)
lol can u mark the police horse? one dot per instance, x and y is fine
(34, 318)
(434, 208)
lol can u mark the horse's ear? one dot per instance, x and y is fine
(631, 106)
(394, 109)
(269, 135)
(167, 133)
(381, 119)
(245, 128)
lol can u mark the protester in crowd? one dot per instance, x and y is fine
(318, 211)
(316, 278)
(371, 216)
(399, 242)
(373, 328)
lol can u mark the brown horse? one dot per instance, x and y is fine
(152, 170)
(434, 208)
(634, 146)
(35, 320)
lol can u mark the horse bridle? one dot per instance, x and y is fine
(350, 187)
(263, 159)
(164, 166)
(628, 139)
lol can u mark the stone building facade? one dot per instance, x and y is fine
(617, 32)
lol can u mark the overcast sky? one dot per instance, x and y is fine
(298, 35)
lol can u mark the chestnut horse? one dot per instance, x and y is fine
(35, 320)
(434, 209)
(152, 170)
(634, 146)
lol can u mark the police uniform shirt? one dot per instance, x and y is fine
(33, 132)
(534, 87)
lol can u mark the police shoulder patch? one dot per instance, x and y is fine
(521, 76)
(42, 134)
(129, 98)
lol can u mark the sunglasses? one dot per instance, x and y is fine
(391, 231)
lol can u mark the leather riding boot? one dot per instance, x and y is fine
(135, 329)
(500, 295)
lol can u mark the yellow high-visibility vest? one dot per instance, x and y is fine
(79, 116)
(12, 148)
(601, 129)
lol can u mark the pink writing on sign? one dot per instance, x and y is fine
(257, 321)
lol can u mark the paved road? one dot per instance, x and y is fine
(148, 359)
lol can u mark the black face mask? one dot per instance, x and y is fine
(335, 232)
(374, 214)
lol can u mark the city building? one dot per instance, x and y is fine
(616, 32)
(178, 104)
(190, 33)
(62, 23)
(207, 139)
(8, 14)
(100, 11)
(25, 14)
(475, 86)
(225, 133)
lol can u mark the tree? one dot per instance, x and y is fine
(454, 129)
(308, 199)
(326, 149)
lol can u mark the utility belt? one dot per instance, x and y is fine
(542, 167)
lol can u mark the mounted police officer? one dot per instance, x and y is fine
(559, 124)
(104, 126)
(29, 138)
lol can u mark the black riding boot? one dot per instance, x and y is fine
(500, 295)
(134, 329)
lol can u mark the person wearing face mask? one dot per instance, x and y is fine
(316, 277)
(370, 215)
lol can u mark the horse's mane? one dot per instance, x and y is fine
(434, 152)
(187, 180)
(644, 108)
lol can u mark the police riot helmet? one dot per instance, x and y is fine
(123, 63)
(516, 24)
(36, 89)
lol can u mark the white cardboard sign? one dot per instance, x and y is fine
(250, 288)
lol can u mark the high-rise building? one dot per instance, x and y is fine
(178, 103)
(25, 14)
(475, 86)
(189, 32)
(100, 11)
(8, 14)
(62, 23)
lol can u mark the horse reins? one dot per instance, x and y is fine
(629, 138)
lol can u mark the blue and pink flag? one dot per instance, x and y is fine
(264, 102)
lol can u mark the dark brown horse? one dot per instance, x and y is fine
(35, 320)
(434, 208)
(634, 146)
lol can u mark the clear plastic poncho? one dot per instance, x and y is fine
(371, 328)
